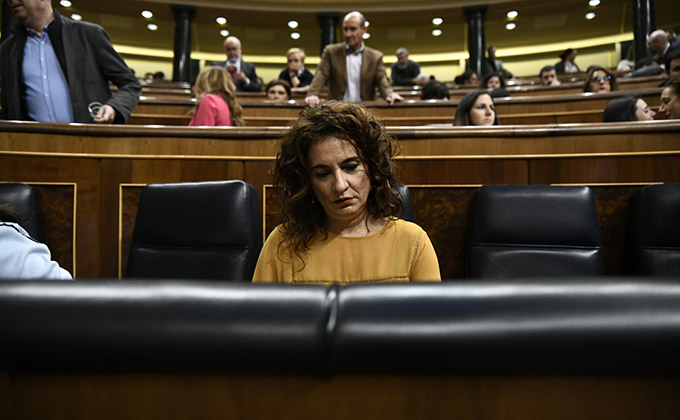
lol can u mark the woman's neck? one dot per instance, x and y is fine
(358, 227)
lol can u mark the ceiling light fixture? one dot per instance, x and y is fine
(221, 20)
(76, 16)
(148, 14)
(436, 32)
(292, 24)
(366, 35)
(593, 3)
(590, 15)
(224, 33)
(152, 27)
(512, 14)
(65, 3)
(437, 21)
(510, 26)
(295, 35)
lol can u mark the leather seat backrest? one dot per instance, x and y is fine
(24, 200)
(204, 230)
(656, 230)
(404, 194)
(534, 230)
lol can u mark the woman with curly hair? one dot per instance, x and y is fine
(215, 101)
(334, 175)
(600, 80)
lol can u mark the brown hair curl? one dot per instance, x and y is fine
(302, 215)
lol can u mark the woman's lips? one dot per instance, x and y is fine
(342, 201)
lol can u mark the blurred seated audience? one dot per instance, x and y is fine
(600, 80)
(494, 65)
(495, 84)
(297, 76)
(566, 63)
(216, 104)
(334, 176)
(406, 72)
(476, 108)
(148, 77)
(671, 67)
(278, 91)
(625, 66)
(435, 89)
(22, 257)
(628, 108)
(660, 43)
(159, 76)
(469, 79)
(647, 66)
(670, 101)
(548, 76)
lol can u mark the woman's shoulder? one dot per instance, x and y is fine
(406, 228)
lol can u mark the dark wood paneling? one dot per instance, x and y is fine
(59, 201)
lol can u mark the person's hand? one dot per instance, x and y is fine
(242, 77)
(393, 97)
(230, 68)
(105, 115)
(295, 81)
(312, 100)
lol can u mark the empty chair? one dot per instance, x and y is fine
(656, 230)
(534, 230)
(24, 200)
(404, 194)
(204, 230)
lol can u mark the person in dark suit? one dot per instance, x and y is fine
(353, 71)
(242, 73)
(71, 63)
(297, 76)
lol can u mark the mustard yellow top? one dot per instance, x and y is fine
(400, 252)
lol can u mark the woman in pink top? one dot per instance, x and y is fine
(216, 104)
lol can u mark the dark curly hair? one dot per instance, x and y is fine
(302, 215)
(591, 75)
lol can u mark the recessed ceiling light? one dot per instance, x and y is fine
(293, 24)
(512, 14)
(224, 33)
(368, 24)
(295, 35)
(76, 16)
(152, 26)
(590, 15)
(65, 3)
(510, 26)
(437, 21)
(366, 35)
(436, 32)
(147, 14)
(594, 3)
(221, 20)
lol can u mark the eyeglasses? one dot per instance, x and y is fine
(602, 79)
(93, 108)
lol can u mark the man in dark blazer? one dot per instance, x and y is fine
(242, 73)
(77, 85)
(366, 68)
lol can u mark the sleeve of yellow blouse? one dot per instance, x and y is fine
(426, 266)
(266, 268)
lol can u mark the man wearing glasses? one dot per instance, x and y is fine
(54, 69)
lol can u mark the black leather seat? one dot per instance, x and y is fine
(204, 230)
(404, 194)
(24, 200)
(534, 230)
(656, 230)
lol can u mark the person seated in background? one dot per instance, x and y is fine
(334, 177)
(476, 108)
(469, 78)
(495, 84)
(548, 76)
(22, 257)
(242, 73)
(670, 101)
(159, 76)
(628, 108)
(671, 67)
(566, 63)
(435, 90)
(148, 77)
(600, 80)
(297, 76)
(216, 104)
(494, 65)
(278, 91)
(648, 66)
(406, 72)
(659, 42)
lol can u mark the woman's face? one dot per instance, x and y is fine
(483, 111)
(294, 62)
(600, 82)
(670, 104)
(493, 83)
(277, 93)
(473, 80)
(642, 111)
(339, 180)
